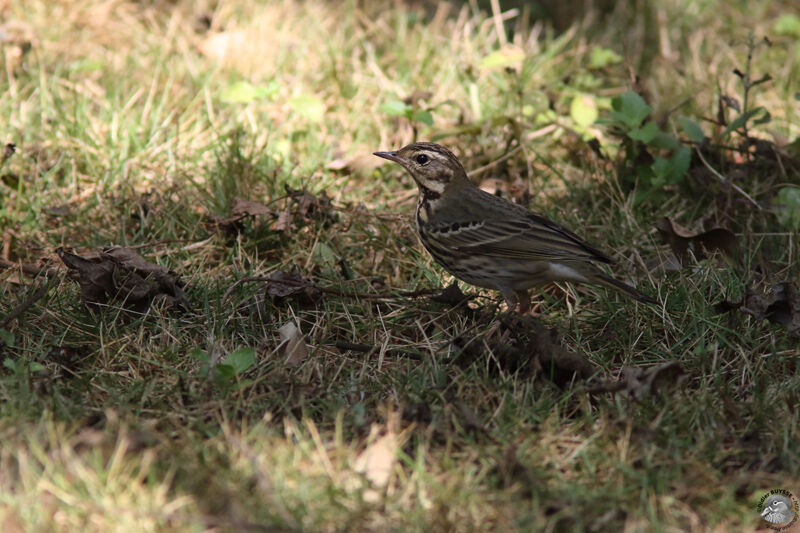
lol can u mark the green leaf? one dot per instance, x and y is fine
(742, 119)
(602, 57)
(241, 359)
(423, 116)
(308, 106)
(204, 359)
(692, 129)
(325, 254)
(644, 134)
(7, 338)
(763, 120)
(583, 110)
(788, 198)
(508, 56)
(672, 170)
(665, 141)
(395, 108)
(10, 364)
(788, 24)
(630, 109)
(243, 92)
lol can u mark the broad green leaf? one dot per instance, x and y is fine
(665, 141)
(508, 56)
(395, 108)
(692, 129)
(423, 116)
(644, 134)
(241, 359)
(243, 92)
(788, 214)
(742, 119)
(10, 364)
(583, 110)
(7, 337)
(673, 169)
(788, 24)
(767, 118)
(602, 57)
(630, 109)
(325, 254)
(308, 106)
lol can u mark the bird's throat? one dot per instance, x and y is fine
(428, 200)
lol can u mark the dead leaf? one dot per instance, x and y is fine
(242, 207)
(782, 306)
(681, 240)
(121, 276)
(376, 463)
(523, 344)
(452, 295)
(640, 382)
(284, 222)
(282, 285)
(9, 150)
(58, 210)
(292, 345)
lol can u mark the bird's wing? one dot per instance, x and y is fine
(533, 237)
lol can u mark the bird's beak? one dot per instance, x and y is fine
(391, 156)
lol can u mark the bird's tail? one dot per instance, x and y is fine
(608, 281)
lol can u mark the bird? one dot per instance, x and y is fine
(490, 242)
(777, 509)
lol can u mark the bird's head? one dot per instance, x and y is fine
(432, 166)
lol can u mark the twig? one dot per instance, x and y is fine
(725, 180)
(369, 349)
(330, 290)
(484, 168)
(27, 303)
(29, 269)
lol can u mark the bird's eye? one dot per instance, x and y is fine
(422, 159)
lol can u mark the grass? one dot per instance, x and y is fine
(140, 124)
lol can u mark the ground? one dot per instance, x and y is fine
(215, 314)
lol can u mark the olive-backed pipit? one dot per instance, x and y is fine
(490, 242)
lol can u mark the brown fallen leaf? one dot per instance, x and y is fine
(282, 285)
(121, 276)
(292, 345)
(523, 344)
(681, 240)
(452, 295)
(284, 221)
(242, 207)
(640, 382)
(782, 306)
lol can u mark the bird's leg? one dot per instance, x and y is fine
(512, 298)
(524, 298)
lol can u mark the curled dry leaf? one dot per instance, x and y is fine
(120, 275)
(523, 344)
(640, 382)
(452, 295)
(681, 240)
(780, 307)
(282, 285)
(242, 207)
(292, 347)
